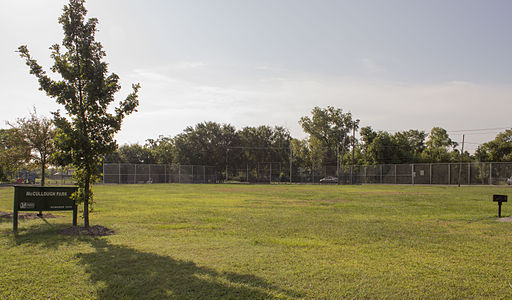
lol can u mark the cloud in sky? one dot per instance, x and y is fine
(395, 65)
(280, 97)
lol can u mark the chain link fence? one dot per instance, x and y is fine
(53, 176)
(153, 173)
(474, 173)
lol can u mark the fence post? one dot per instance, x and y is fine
(381, 182)
(179, 173)
(165, 173)
(247, 173)
(135, 174)
(395, 172)
(449, 174)
(490, 173)
(149, 172)
(469, 173)
(291, 162)
(270, 172)
(193, 174)
(204, 174)
(430, 175)
(412, 174)
(119, 168)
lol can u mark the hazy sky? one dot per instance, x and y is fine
(394, 64)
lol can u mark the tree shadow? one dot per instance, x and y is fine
(120, 272)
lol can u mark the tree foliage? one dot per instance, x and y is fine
(439, 145)
(39, 135)
(499, 149)
(14, 151)
(86, 90)
(329, 129)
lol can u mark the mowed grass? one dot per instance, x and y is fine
(266, 241)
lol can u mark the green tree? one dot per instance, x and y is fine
(86, 91)
(499, 149)
(328, 129)
(410, 144)
(39, 134)
(439, 145)
(206, 143)
(135, 154)
(14, 151)
(162, 149)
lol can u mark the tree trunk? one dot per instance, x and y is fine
(86, 200)
(43, 167)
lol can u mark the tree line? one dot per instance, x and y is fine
(334, 137)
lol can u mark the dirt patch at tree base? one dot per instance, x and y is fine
(507, 219)
(27, 216)
(96, 230)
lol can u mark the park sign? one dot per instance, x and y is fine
(38, 198)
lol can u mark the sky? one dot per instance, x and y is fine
(395, 65)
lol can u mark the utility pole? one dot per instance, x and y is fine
(460, 160)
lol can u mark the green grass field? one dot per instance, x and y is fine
(266, 241)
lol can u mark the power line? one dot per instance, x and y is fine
(481, 129)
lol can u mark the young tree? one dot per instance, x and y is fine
(39, 134)
(86, 90)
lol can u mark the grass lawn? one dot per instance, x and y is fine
(266, 241)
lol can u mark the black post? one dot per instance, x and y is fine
(15, 213)
(500, 199)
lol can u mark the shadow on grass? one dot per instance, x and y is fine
(121, 272)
